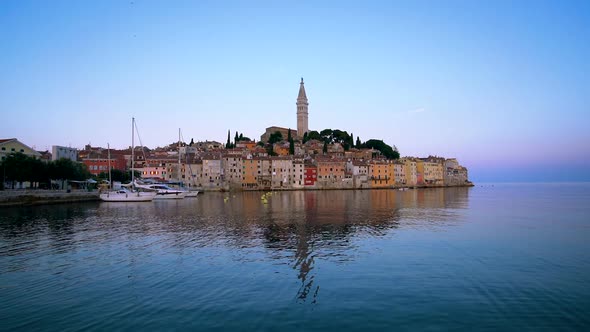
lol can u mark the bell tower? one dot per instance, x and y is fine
(302, 113)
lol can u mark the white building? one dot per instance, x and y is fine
(58, 152)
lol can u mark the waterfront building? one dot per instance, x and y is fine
(232, 169)
(331, 172)
(433, 170)
(211, 176)
(311, 173)
(410, 171)
(97, 160)
(155, 171)
(194, 172)
(59, 152)
(298, 174)
(379, 172)
(12, 145)
(264, 176)
(419, 172)
(281, 172)
(399, 172)
(454, 174)
(250, 170)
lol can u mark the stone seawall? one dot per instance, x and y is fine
(335, 187)
(38, 197)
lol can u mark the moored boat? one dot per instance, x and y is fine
(162, 191)
(126, 195)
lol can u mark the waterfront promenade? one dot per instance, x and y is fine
(39, 196)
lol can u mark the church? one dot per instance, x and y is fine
(302, 116)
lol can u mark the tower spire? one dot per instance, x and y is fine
(302, 110)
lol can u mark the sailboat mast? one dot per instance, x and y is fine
(132, 148)
(179, 177)
(109, 155)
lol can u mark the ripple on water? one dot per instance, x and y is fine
(351, 260)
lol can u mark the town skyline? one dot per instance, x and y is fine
(500, 87)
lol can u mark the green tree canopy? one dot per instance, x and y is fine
(386, 150)
(313, 135)
(275, 137)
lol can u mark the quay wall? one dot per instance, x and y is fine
(39, 197)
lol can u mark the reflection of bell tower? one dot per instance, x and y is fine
(302, 105)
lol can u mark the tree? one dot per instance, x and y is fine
(236, 138)
(385, 149)
(314, 135)
(17, 168)
(192, 142)
(325, 148)
(304, 138)
(275, 137)
(291, 143)
(358, 143)
(326, 135)
(228, 144)
(243, 138)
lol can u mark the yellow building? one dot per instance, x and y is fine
(433, 172)
(381, 174)
(250, 168)
(12, 145)
(410, 171)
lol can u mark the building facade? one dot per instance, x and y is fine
(59, 152)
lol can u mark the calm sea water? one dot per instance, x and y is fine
(502, 257)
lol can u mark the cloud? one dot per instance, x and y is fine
(417, 110)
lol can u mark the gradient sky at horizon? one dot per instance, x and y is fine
(503, 86)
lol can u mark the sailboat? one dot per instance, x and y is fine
(123, 194)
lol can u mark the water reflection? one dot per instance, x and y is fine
(300, 229)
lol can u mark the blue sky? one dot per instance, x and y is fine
(503, 86)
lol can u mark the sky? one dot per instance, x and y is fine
(504, 86)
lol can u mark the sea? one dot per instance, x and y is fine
(493, 257)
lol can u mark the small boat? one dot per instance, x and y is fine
(126, 195)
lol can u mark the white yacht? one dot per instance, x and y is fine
(126, 195)
(162, 191)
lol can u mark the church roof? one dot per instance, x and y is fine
(302, 96)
